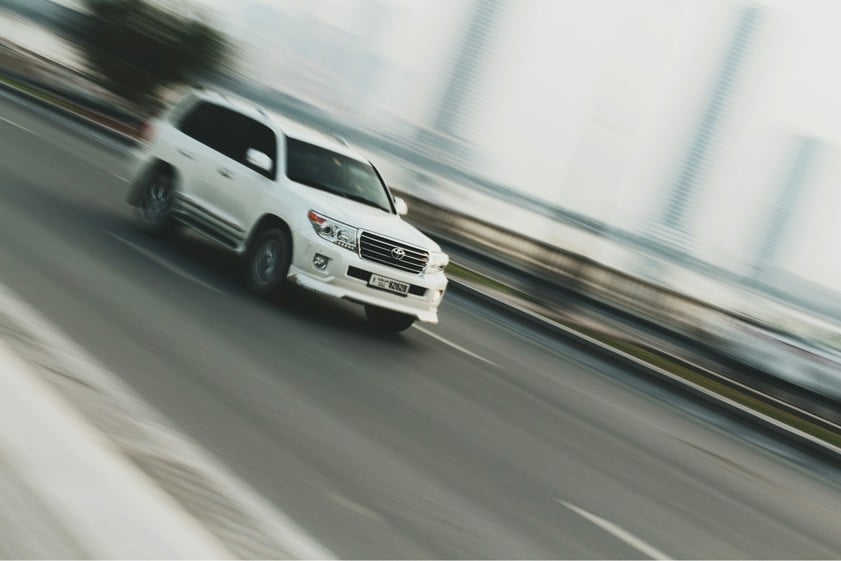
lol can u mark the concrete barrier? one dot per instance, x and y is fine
(618, 289)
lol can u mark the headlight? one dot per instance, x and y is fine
(437, 261)
(333, 230)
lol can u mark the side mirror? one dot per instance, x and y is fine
(401, 206)
(258, 159)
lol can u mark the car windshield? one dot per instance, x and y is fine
(332, 172)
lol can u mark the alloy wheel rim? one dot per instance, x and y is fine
(157, 200)
(265, 262)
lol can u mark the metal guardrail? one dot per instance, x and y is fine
(660, 305)
(692, 321)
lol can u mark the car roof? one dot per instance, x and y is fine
(282, 124)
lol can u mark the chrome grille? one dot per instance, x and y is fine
(386, 251)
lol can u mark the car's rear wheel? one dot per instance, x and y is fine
(388, 321)
(157, 199)
(268, 262)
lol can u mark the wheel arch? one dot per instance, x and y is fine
(268, 220)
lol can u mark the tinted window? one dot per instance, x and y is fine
(206, 123)
(332, 172)
(245, 134)
(230, 133)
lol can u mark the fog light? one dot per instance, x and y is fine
(320, 261)
(436, 296)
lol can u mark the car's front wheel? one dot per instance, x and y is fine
(388, 321)
(268, 262)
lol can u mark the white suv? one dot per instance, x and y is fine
(299, 205)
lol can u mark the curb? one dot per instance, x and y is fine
(94, 493)
(247, 524)
(627, 360)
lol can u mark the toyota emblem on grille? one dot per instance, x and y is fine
(398, 253)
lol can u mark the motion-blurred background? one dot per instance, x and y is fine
(689, 144)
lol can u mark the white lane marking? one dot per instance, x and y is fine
(618, 532)
(164, 263)
(354, 507)
(14, 124)
(455, 346)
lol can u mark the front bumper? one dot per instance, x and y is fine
(345, 276)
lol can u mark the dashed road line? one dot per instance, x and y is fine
(353, 506)
(455, 346)
(14, 124)
(172, 267)
(617, 532)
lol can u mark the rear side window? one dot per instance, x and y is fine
(206, 124)
(230, 133)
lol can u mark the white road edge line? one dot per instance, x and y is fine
(86, 484)
(618, 532)
(455, 346)
(161, 438)
(14, 124)
(163, 262)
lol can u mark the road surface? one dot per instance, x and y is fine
(475, 438)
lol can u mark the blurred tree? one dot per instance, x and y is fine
(137, 48)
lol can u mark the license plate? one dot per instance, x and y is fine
(391, 285)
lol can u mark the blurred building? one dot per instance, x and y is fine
(674, 224)
(449, 136)
(794, 187)
(459, 100)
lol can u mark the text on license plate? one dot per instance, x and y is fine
(386, 283)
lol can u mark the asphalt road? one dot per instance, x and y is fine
(475, 438)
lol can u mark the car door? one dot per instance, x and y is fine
(199, 133)
(211, 154)
(237, 187)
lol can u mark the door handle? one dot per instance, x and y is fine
(186, 154)
(225, 172)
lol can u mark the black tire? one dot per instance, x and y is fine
(387, 321)
(156, 199)
(267, 262)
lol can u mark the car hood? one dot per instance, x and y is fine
(364, 217)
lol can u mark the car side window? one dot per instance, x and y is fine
(248, 134)
(231, 133)
(206, 124)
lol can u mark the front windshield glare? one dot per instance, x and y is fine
(326, 170)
